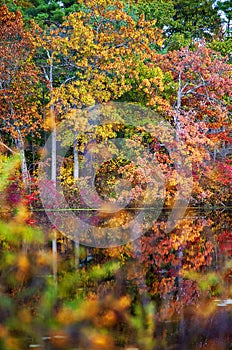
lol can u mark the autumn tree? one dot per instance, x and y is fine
(91, 57)
(198, 105)
(19, 115)
(202, 99)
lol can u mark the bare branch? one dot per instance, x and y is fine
(45, 73)
(68, 79)
(193, 90)
(8, 148)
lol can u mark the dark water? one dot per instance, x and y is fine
(197, 313)
(201, 319)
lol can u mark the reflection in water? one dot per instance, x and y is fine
(162, 291)
(187, 273)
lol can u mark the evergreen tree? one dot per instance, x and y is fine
(44, 12)
(196, 19)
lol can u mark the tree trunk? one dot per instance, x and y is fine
(53, 146)
(76, 176)
(53, 178)
(25, 174)
(77, 253)
(76, 158)
(54, 256)
(24, 171)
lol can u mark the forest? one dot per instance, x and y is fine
(115, 174)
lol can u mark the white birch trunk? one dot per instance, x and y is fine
(76, 158)
(54, 257)
(76, 176)
(53, 178)
(24, 170)
(53, 146)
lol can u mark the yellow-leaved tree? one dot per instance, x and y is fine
(93, 57)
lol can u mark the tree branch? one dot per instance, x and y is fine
(8, 148)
